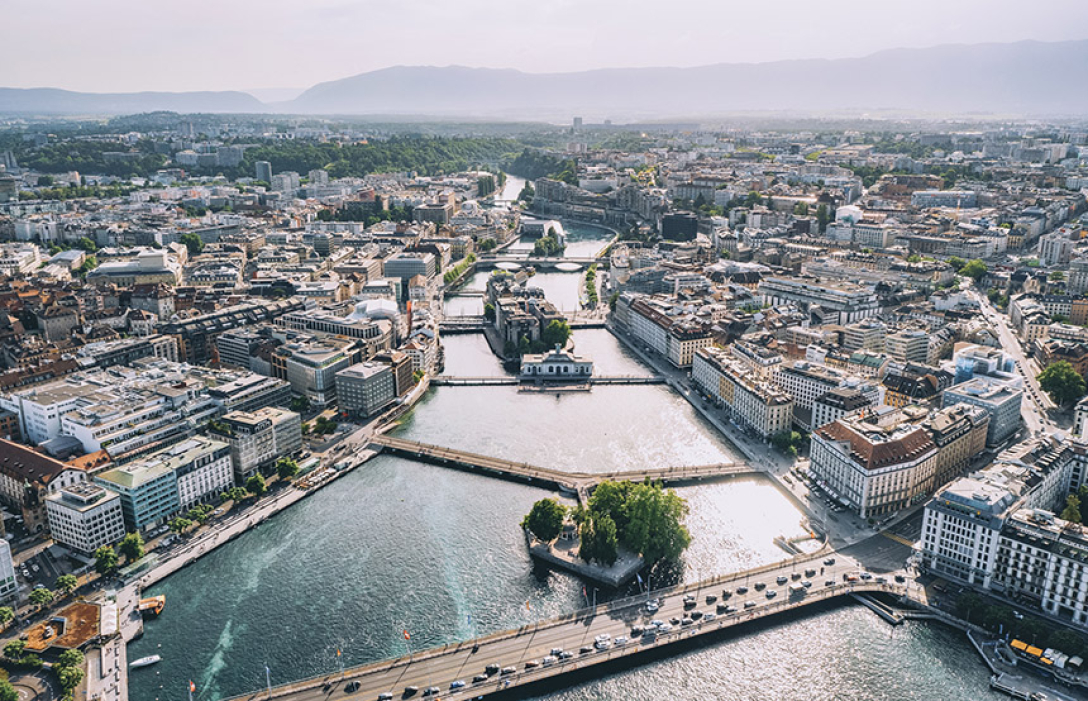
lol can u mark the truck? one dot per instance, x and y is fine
(797, 590)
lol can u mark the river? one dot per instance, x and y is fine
(399, 545)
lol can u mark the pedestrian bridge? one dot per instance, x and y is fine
(519, 652)
(580, 483)
(466, 381)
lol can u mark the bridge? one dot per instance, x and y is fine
(540, 261)
(579, 483)
(477, 323)
(520, 653)
(451, 380)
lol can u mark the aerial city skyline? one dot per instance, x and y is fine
(543, 351)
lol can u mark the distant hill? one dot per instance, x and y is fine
(1019, 78)
(1023, 78)
(46, 101)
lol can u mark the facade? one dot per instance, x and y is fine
(557, 365)
(827, 302)
(838, 403)
(27, 477)
(876, 465)
(364, 389)
(755, 405)
(9, 587)
(909, 346)
(960, 530)
(251, 442)
(148, 492)
(1055, 249)
(1000, 400)
(959, 433)
(84, 517)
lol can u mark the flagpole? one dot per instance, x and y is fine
(268, 679)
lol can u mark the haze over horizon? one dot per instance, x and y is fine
(121, 46)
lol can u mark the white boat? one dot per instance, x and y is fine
(146, 661)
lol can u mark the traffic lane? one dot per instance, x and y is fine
(442, 670)
(564, 638)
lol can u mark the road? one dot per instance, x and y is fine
(1034, 409)
(513, 649)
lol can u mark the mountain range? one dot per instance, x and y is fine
(1021, 78)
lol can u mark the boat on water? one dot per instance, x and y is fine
(146, 661)
(152, 605)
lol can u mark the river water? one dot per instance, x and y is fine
(399, 545)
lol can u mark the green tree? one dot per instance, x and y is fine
(67, 583)
(6, 614)
(105, 560)
(1057, 276)
(656, 527)
(957, 263)
(1071, 512)
(132, 546)
(610, 499)
(489, 311)
(545, 519)
(256, 486)
(193, 242)
(86, 244)
(787, 442)
(974, 269)
(41, 597)
(180, 525)
(70, 658)
(1062, 382)
(300, 404)
(598, 540)
(7, 691)
(69, 678)
(14, 650)
(555, 333)
(286, 468)
(200, 513)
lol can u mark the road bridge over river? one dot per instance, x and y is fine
(519, 652)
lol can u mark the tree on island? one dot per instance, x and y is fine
(545, 519)
(1062, 382)
(643, 518)
(555, 334)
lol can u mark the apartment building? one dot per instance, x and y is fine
(754, 404)
(998, 398)
(877, 464)
(84, 517)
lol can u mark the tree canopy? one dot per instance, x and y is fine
(105, 560)
(974, 269)
(1062, 382)
(545, 519)
(644, 518)
(132, 546)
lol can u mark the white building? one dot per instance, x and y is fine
(8, 586)
(555, 365)
(84, 517)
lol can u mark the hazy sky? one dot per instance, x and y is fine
(128, 45)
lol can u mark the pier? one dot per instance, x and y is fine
(518, 655)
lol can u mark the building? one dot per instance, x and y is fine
(838, 403)
(364, 389)
(257, 439)
(960, 530)
(263, 171)
(824, 302)
(27, 477)
(752, 403)
(195, 335)
(877, 464)
(959, 199)
(1055, 249)
(405, 266)
(867, 335)
(84, 517)
(9, 587)
(959, 432)
(310, 366)
(908, 346)
(1000, 400)
(148, 493)
(679, 226)
(402, 367)
(556, 365)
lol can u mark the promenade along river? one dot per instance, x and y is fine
(398, 545)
